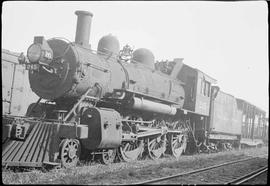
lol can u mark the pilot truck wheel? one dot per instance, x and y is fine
(69, 152)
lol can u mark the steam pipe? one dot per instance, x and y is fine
(83, 27)
(147, 105)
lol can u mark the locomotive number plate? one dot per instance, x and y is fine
(20, 132)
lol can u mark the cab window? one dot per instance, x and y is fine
(207, 89)
(204, 87)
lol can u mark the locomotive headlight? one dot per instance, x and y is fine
(34, 53)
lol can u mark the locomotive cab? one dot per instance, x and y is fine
(197, 84)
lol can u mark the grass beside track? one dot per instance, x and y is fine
(125, 173)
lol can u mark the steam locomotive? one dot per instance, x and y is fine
(109, 104)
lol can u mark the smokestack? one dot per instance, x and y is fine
(83, 27)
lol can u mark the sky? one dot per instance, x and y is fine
(226, 40)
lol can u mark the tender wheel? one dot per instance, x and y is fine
(108, 156)
(177, 144)
(156, 147)
(69, 152)
(130, 151)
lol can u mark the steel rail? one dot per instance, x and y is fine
(195, 171)
(248, 176)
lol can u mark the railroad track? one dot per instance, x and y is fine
(239, 180)
(248, 176)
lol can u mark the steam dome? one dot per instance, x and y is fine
(144, 56)
(108, 44)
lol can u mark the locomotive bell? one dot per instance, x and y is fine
(108, 45)
(144, 56)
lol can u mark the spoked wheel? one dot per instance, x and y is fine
(177, 144)
(108, 156)
(130, 151)
(69, 152)
(156, 146)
